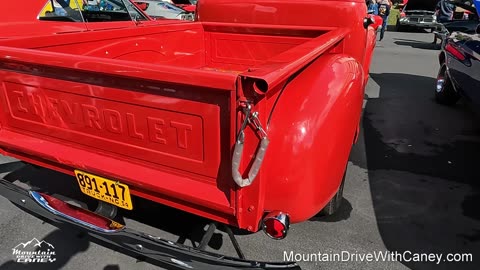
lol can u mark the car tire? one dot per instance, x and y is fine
(334, 204)
(445, 92)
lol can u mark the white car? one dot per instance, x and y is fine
(164, 10)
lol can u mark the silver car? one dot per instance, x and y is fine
(164, 10)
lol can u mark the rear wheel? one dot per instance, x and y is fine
(335, 203)
(444, 92)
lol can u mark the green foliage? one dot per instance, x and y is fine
(394, 14)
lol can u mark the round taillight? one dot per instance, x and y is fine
(276, 225)
(275, 229)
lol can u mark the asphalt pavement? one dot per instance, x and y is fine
(412, 186)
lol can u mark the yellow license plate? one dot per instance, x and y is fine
(105, 190)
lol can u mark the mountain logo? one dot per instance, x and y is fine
(34, 251)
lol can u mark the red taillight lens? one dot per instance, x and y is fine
(81, 214)
(275, 229)
(455, 52)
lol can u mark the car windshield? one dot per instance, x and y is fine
(90, 11)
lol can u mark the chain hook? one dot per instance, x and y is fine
(247, 109)
(258, 126)
(250, 118)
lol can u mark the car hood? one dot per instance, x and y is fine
(421, 5)
(464, 26)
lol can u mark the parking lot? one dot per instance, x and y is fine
(412, 185)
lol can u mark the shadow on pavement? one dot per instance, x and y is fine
(407, 29)
(148, 217)
(417, 44)
(10, 166)
(111, 267)
(391, 28)
(64, 249)
(188, 229)
(424, 177)
(343, 213)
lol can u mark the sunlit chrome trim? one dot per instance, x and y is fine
(44, 203)
(137, 243)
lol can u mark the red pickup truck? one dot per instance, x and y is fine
(246, 118)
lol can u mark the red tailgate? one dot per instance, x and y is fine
(173, 138)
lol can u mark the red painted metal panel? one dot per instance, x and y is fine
(249, 49)
(22, 20)
(89, 67)
(168, 144)
(282, 66)
(156, 106)
(306, 14)
(313, 144)
(173, 136)
(165, 186)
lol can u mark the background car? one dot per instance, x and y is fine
(418, 14)
(164, 10)
(188, 5)
(69, 16)
(459, 73)
(465, 24)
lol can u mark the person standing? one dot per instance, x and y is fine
(444, 12)
(372, 7)
(383, 11)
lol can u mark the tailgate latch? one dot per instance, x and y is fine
(250, 118)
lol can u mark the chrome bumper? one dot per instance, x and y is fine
(418, 23)
(162, 252)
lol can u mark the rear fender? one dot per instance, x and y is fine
(441, 58)
(311, 132)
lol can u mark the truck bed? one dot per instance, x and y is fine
(210, 46)
(155, 107)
